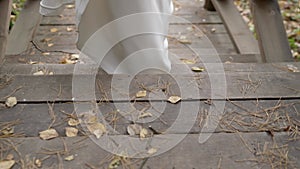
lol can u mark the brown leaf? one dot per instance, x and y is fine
(53, 30)
(174, 99)
(48, 134)
(134, 129)
(7, 164)
(152, 151)
(70, 158)
(198, 69)
(11, 102)
(71, 132)
(144, 133)
(98, 129)
(73, 122)
(141, 94)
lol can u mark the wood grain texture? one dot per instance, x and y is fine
(273, 43)
(221, 150)
(193, 86)
(237, 116)
(5, 10)
(22, 33)
(238, 30)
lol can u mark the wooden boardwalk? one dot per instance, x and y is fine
(258, 128)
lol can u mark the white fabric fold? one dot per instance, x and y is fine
(129, 55)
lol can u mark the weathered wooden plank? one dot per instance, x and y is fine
(238, 116)
(5, 11)
(239, 32)
(63, 40)
(177, 63)
(220, 151)
(273, 43)
(193, 85)
(23, 31)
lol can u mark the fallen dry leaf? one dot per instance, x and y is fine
(188, 61)
(38, 163)
(144, 133)
(70, 29)
(7, 164)
(11, 102)
(39, 73)
(53, 30)
(174, 99)
(73, 122)
(7, 131)
(134, 129)
(98, 129)
(184, 40)
(152, 151)
(9, 157)
(48, 134)
(50, 44)
(198, 69)
(71, 131)
(141, 94)
(70, 158)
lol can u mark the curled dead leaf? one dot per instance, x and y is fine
(134, 129)
(98, 129)
(48, 134)
(71, 132)
(152, 151)
(73, 122)
(141, 94)
(53, 30)
(70, 158)
(8, 131)
(39, 73)
(174, 99)
(198, 69)
(38, 163)
(144, 133)
(11, 102)
(8, 164)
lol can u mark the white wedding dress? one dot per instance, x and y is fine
(148, 48)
